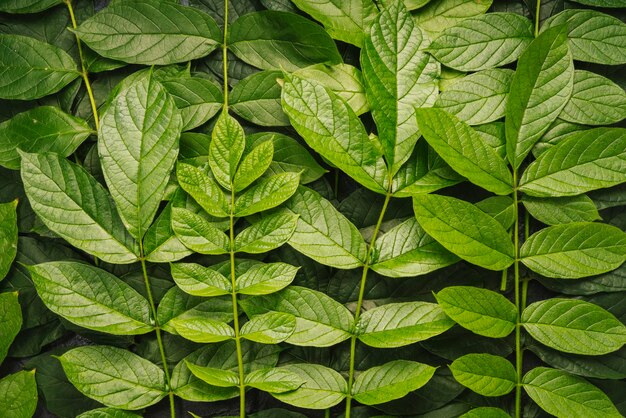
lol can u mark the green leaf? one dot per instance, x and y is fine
(10, 321)
(108, 413)
(114, 377)
(390, 381)
(198, 280)
(215, 377)
(257, 99)
(160, 244)
(273, 40)
(465, 150)
(485, 412)
(150, 32)
(320, 320)
(501, 208)
(575, 250)
(200, 329)
(277, 380)
(477, 98)
(197, 233)
(27, 6)
(400, 324)
(269, 328)
(561, 210)
(481, 311)
(595, 100)
(197, 98)
(541, 87)
(227, 145)
(263, 279)
(55, 186)
(267, 193)
(254, 164)
(583, 161)
(602, 3)
(400, 77)
(203, 189)
(465, 230)
(439, 15)
(331, 128)
(593, 36)
(269, 233)
(8, 237)
(41, 129)
(406, 250)
(323, 233)
(32, 69)
(574, 326)
(176, 304)
(322, 388)
(19, 394)
(91, 298)
(562, 394)
(138, 151)
(485, 374)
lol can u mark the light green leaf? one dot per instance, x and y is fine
(390, 381)
(269, 328)
(32, 69)
(564, 395)
(281, 41)
(320, 320)
(197, 98)
(465, 230)
(198, 234)
(574, 326)
(465, 150)
(263, 279)
(477, 98)
(200, 329)
(108, 413)
(501, 208)
(485, 412)
(176, 304)
(481, 311)
(595, 100)
(27, 6)
(541, 87)
(19, 395)
(331, 128)
(406, 250)
(8, 237)
(276, 380)
(41, 129)
(270, 232)
(439, 15)
(55, 186)
(400, 77)
(482, 42)
(198, 280)
(561, 210)
(485, 374)
(10, 321)
(150, 32)
(267, 193)
(203, 189)
(323, 233)
(581, 162)
(214, 377)
(593, 36)
(114, 377)
(254, 164)
(91, 298)
(256, 98)
(575, 250)
(138, 146)
(400, 324)
(322, 388)
(160, 244)
(227, 145)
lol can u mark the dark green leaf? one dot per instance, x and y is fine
(10, 321)
(198, 99)
(27, 6)
(8, 237)
(257, 98)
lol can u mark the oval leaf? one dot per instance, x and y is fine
(19, 394)
(485, 374)
(322, 388)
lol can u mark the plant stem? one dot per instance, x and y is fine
(359, 304)
(84, 73)
(537, 14)
(225, 55)
(157, 329)
(518, 344)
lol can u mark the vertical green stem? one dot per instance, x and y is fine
(518, 344)
(327, 413)
(537, 14)
(359, 304)
(157, 329)
(225, 55)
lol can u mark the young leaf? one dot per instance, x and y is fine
(27, 6)
(322, 388)
(253, 165)
(203, 189)
(561, 210)
(400, 324)
(575, 250)
(8, 237)
(390, 381)
(215, 377)
(197, 98)
(465, 150)
(197, 233)
(501, 208)
(10, 321)
(19, 394)
(323, 233)
(281, 41)
(108, 413)
(267, 194)
(541, 87)
(331, 127)
(55, 186)
(138, 146)
(198, 280)
(482, 42)
(482, 311)
(263, 279)
(574, 326)
(200, 329)
(269, 328)
(399, 77)
(114, 377)
(32, 69)
(160, 244)
(227, 145)
(485, 374)
(562, 394)
(42, 129)
(91, 298)
(277, 380)
(257, 98)
(269, 233)
(150, 32)
(465, 230)
(439, 15)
